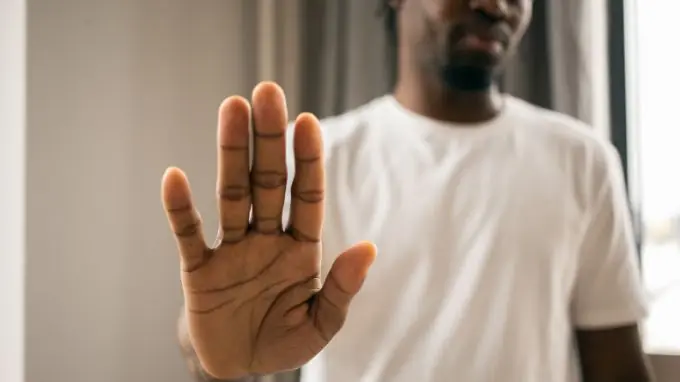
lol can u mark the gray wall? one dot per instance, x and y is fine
(117, 91)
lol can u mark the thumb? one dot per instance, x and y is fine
(343, 282)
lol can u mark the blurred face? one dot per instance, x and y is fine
(464, 41)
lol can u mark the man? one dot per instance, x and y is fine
(506, 251)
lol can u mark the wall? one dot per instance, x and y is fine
(12, 186)
(666, 367)
(117, 91)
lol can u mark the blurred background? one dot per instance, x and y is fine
(98, 97)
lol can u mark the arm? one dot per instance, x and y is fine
(190, 357)
(613, 355)
(609, 299)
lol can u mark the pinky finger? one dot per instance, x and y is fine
(184, 219)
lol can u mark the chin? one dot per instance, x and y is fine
(467, 78)
(471, 72)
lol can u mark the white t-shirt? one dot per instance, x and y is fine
(495, 242)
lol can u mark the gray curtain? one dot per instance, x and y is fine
(344, 47)
(553, 67)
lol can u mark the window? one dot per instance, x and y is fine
(652, 156)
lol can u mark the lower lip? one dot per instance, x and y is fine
(477, 43)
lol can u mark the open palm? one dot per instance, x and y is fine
(255, 302)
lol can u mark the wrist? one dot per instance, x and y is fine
(193, 362)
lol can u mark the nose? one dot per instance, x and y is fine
(497, 9)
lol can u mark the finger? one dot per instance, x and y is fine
(184, 220)
(268, 176)
(233, 184)
(343, 282)
(307, 192)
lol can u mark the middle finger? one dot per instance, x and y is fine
(268, 175)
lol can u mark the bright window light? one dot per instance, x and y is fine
(654, 76)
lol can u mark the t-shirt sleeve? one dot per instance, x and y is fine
(290, 168)
(608, 290)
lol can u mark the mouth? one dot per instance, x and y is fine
(487, 44)
(492, 40)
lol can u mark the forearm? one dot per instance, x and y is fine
(637, 374)
(632, 378)
(197, 371)
(613, 355)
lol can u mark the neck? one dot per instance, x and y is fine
(429, 96)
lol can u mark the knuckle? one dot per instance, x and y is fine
(301, 236)
(188, 229)
(308, 160)
(233, 192)
(267, 225)
(269, 179)
(232, 235)
(309, 196)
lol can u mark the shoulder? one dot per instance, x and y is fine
(339, 128)
(566, 137)
(574, 149)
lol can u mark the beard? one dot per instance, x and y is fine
(467, 77)
(468, 70)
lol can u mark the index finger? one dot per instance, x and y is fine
(233, 184)
(307, 191)
(184, 219)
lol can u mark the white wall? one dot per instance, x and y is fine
(117, 91)
(12, 186)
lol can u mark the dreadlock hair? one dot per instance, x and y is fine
(389, 15)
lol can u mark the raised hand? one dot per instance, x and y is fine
(255, 303)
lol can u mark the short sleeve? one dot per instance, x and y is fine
(290, 168)
(608, 290)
